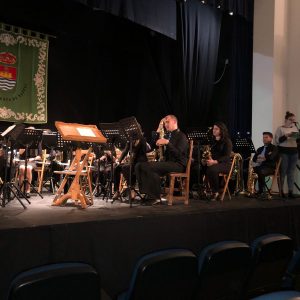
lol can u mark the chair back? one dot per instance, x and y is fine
(276, 176)
(291, 279)
(166, 274)
(271, 254)
(57, 281)
(222, 269)
(190, 157)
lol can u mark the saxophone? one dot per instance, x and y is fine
(206, 154)
(252, 177)
(161, 148)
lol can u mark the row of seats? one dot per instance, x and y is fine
(267, 269)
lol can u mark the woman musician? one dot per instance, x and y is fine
(219, 159)
(33, 155)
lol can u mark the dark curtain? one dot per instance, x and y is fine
(199, 31)
(240, 96)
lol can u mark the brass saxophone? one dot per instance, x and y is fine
(206, 154)
(252, 177)
(237, 174)
(161, 148)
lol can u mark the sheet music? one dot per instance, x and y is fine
(10, 128)
(85, 131)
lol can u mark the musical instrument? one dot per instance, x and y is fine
(252, 177)
(161, 148)
(206, 154)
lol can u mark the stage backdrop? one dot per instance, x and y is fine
(23, 75)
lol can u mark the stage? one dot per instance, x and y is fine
(112, 237)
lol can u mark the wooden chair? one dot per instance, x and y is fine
(227, 177)
(78, 168)
(40, 171)
(275, 177)
(183, 180)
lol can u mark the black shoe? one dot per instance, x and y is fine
(27, 195)
(291, 195)
(214, 197)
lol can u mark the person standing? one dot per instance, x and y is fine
(285, 137)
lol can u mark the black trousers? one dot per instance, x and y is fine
(148, 175)
(125, 170)
(212, 174)
(262, 172)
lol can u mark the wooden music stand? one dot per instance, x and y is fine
(78, 133)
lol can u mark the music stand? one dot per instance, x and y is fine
(10, 135)
(113, 134)
(78, 133)
(133, 132)
(201, 138)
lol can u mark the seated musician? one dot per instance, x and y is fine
(32, 156)
(219, 161)
(264, 160)
(149, 174)
(139, 149)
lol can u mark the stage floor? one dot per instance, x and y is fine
(112, 237)
(40, 212)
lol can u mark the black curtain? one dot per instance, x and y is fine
(199, 32)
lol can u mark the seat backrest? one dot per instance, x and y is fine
(166, 274)
(291, 279)
(271, 254)
(222, 269)
(277, 168)
(190, 157)
(57, 281)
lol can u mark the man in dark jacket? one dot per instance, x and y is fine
(264, 160)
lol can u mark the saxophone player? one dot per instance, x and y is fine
(149, 174)
(264, 160)
(219, 159)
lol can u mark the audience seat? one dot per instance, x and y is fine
(270, 254)
(62, 281)
(281, 295)
(162, 275)
(291, 279)
(222, 268)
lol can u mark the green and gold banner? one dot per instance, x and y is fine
(23, 75)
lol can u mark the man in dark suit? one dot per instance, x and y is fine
(264, 160)
(149, 174)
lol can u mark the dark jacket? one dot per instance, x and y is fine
(271, 155)
(177, 148)
(139, 149)
(221, 150)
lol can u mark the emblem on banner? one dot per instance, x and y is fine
(8, 74)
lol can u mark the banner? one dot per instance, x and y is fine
(23, 75)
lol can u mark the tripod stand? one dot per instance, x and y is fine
(202, 138)
(133, 132)
(113, 134)
(8, 186)
(30, 138)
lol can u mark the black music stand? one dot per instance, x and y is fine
(201, 138)
(29, 139)
(133, 132)
(113, 134)
(11, 134)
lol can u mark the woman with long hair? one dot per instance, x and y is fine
(286, 139)
(220, 161)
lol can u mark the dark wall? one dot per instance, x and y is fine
(103, 68)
